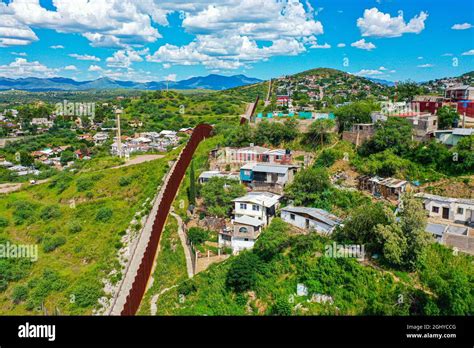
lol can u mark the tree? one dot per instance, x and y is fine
(239, 136)
(394, 134)
(308, 185)
(273, 240)
(192, 185)
(357, 112)
(320, 132)
(448, 117)
(404, 239)
(405, 91)
(218, 194)
(26, 159)
(197, 235)
(360, 227)
(242, 273)
(66, 157)
(275, 133)
(465, 155)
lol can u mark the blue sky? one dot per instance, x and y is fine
(164, 39)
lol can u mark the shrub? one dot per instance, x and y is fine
(86, 294)
(187, 287)
(281, 307)
(197, 235)
(74, 227)
(20, 293)
(84, 184)
(50, 212)
(4, 222)
(52, 243)
(242, 274)
(24, 210)
(125, 181)
(104, 214)
(3, 285)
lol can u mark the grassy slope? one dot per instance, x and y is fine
(88, 255)
(356, 289)
(170, 264)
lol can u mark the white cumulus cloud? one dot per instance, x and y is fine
(21, 67)
(363, 45)
(462, 26)
(379, 24)
(84, 57)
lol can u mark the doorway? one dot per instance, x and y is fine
(445, 213)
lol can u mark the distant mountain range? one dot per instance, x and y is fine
(382, 82)
(211, 82)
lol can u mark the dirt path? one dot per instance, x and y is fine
(154, 299)
(139, 160)
(12, 187)
(182, 237)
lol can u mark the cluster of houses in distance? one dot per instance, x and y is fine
(421, 113)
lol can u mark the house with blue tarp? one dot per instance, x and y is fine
(259, 175)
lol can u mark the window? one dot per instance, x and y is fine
(460, 211)
(246, 239)
(292, 216)
(255, 207)
(243, 206)
(435, 209)
(243, 230)
(247, 172)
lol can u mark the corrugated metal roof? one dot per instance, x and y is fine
(266, 199)
(445, 199)
(272, 168)
(316, 213)
(215, 173)
(463, 131)
(247, 220)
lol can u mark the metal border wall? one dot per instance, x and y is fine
(137, 291)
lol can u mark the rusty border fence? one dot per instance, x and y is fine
(137, 291)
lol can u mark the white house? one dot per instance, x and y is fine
(100, 138)
(42, 121)
(259, 205)
(242, 235)
(457, 210)
(312, 219)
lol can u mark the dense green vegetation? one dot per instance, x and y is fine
(392, 152)
(218, 194)
(263, 282)
(312, 188)
(77, 221)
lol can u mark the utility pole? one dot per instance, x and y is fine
(119, 136)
